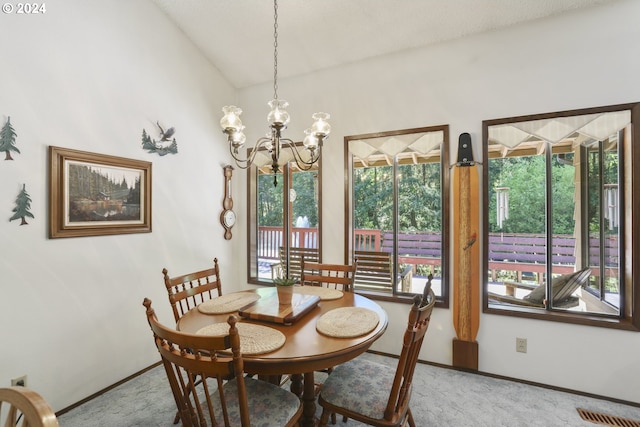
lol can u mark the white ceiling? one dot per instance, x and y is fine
(237, 35)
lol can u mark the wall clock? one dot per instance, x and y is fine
(228, 216)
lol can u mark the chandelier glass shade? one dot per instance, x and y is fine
(278, 119)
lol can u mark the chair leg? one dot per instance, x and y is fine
(317, 389)
(410, 418)
(324, 418)
(176, 419)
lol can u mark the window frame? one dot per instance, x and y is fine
(445, 185)
(586, 194)
(629, 318)
(252, 216)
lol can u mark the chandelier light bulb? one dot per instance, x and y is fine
(268, 144)
(321, 127)
(278, 116)
(310, 140)
(237, 139)
(231, 122)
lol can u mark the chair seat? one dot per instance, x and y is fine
(368, 384)
(373, 393)
(269, 405)
(239, 401)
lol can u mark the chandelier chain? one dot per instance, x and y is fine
(278, 119)
(275, 49)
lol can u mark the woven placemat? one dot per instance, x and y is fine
(347, 322)
(254, 339)
(228, 303)
(322, 292)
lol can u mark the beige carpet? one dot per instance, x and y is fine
(442, 397)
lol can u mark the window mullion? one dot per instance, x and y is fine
(286, 209)
(622, 142)
(396, 223)
(584, 207)
(602, 224)
(549, 224)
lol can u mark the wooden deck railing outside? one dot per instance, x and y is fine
(271, 238)
(518, 253)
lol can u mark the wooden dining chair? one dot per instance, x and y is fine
(189, 290)
(233, 400)
(25, 408)
(332, 276)
(291, 266)
(372, 393)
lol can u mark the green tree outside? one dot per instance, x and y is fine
(271, 199)
(525, 176)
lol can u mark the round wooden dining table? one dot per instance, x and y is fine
(305, 350)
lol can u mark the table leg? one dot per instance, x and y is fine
(309, 401)
(296, 384)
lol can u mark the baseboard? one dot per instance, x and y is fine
(104, 390)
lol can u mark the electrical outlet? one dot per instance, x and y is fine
(20, 381)
(521, 345)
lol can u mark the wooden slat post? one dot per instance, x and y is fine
(466, 294)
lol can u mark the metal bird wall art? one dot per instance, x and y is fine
(164, 145)
(165, 135)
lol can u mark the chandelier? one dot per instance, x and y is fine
(278, 119)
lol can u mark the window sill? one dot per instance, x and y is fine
(400, 299)
(564, 317)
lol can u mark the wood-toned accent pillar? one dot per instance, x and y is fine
(466, 280)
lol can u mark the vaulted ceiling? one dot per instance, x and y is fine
(237, 35)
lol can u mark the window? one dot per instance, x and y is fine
(284, 212)
(558, 189)
(398, 198)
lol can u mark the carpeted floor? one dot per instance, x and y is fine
(441, 397)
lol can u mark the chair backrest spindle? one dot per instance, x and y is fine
(188, 290)
(333, 276)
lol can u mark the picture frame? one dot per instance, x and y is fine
(97, 194)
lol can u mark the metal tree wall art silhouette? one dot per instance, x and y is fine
(23, 205)
(8, 140)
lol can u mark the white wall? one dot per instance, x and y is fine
(586, 59)
(90, 75)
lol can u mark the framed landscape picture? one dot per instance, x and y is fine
(96, 194)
